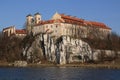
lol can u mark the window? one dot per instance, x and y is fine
(10, 31)
(55, 30)
(51, 26)
(56, 26)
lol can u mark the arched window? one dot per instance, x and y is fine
(56, 26)
(51, 26)
(10, 31)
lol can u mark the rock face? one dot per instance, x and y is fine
(61, 50)
(73, 50)
(20, 64)
(104, 55)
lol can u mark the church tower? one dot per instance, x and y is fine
(29, 23)
(37, 18)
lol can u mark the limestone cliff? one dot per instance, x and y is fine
(61, 50)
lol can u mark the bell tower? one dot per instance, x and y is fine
(29, 23)
(37, 18)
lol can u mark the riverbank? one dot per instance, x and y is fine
(81, 65)
(4, 64)
(108, 66)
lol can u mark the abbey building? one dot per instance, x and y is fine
(60, 24)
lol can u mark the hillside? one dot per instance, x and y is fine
(66, 49)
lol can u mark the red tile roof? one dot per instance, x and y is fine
(96, 24)
(75, 20)
(87, 23)
(20, 31)
(71, 19)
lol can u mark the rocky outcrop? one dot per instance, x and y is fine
(20, 64)
(73, 50)
(104, 55)
(61, 50)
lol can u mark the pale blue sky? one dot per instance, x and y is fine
(13, 12)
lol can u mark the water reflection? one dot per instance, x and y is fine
(56, 73)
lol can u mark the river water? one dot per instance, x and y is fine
(57, 73)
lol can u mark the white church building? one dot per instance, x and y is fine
(58, 25)
(61, 24)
